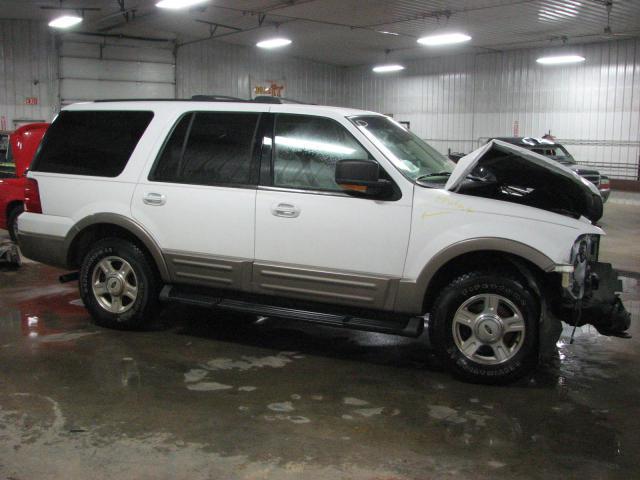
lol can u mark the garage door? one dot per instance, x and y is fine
(113, 69)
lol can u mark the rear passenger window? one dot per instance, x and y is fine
(307, 150)
(95, 143)
(209, 148)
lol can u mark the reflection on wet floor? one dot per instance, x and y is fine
(205, 395)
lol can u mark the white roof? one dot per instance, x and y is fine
(190, 105)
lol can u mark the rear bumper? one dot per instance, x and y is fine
(46, 249)
(605, 195)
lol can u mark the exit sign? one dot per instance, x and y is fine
(31, 101)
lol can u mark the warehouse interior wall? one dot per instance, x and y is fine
(28, 71)
(215, 68)
(457, 102)
(95, 67)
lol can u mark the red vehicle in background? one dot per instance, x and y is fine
(23, 144)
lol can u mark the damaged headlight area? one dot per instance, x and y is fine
(594, 288)
(578, 279)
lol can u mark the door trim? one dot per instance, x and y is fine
(327, 286)
(209, 270)
(286, 281)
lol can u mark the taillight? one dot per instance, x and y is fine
(605, 184)
(32, 197)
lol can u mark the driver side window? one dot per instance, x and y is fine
(307, 149)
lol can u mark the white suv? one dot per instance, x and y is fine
(328, 215)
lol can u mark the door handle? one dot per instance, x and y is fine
(155, 199)
(285, 210)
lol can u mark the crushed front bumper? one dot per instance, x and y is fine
(599, 304)
(602, 306)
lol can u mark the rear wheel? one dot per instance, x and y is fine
(12, 221)
(484, 327)
(119, 284)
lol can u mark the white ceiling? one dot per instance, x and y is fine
(346, 32)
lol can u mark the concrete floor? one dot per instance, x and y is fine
(218, 397)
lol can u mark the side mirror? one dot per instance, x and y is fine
(361, 177)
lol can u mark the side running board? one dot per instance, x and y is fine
(412, 327)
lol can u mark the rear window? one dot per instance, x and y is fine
(210, 148)
(97, 143)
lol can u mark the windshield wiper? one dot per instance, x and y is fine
(431, 175)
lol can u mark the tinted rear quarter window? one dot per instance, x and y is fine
(210, 148)
(97, 143)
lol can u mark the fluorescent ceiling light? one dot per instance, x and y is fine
(444, 39)
(560, 59)
(385, 32)
(273, 43)
(178, 4)
(387, 68)
(65, 21)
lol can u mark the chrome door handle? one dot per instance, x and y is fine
(285, 210)
(155, 199)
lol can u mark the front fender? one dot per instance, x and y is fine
(411, 293)
(446, 225)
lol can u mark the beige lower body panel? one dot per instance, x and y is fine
(297, 282)
(209, 271)
(340, 288)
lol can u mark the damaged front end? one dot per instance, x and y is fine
(502, 171)
(590, 291)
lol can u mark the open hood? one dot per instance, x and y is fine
(503, 171)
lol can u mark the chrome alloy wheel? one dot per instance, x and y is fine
(488, 329)
(114, 284)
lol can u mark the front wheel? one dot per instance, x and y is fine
(119, 284)
(485, 328)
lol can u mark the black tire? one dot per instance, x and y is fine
(12, 221)
(460, 292)
(141, 311)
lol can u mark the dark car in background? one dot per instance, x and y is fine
(559, 153)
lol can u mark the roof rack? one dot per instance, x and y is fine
(211, 98)
(104, 100)
(277, 100)
(194, 98)
(216, 98)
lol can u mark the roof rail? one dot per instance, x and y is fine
(103, 100)
(210, 98)
(216, 98)
(277, 100)
(194, 98)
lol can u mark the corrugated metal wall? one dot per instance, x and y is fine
(458, 101)
(435, 96)
(212, 67)
(454, 101)
(97, 68)
(28, 68)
